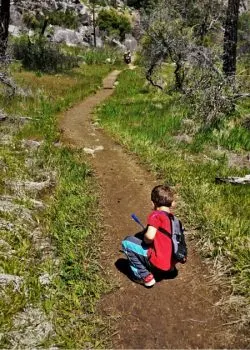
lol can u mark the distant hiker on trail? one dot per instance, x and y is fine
(161, 245)
(127, 57)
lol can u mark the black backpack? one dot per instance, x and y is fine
(177, 237)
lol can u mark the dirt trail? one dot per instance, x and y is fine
(175, 314)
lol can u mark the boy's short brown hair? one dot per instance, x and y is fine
(162, 195)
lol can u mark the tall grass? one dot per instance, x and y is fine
(218, 215)
(70, 220)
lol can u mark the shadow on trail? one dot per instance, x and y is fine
(123, 266)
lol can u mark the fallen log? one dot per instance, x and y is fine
(234, 180)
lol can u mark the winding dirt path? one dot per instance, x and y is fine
(176, 314)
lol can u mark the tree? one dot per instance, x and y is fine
(93, 5)
(230, 38)
(114, 23)
(170, 36)
(4, 25)
(145, 4)
(4, 32)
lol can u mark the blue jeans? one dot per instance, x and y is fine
(137, 253)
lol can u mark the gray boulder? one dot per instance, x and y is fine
(67, 36)
(130, 42)
(15, 16)
(14, 30)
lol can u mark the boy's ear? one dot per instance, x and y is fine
(173, 205)
(153, 205)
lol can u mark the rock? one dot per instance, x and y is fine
(6, 279)
(41, 243)
(93, 150)
(29, 186)
(5, 249)
(7, 206)
(32, 144)
(6, 140)
(45, 279)
(99, 42)
(3, 116)
(6, 225)
(4, 245)
(14, 30)
(30, 329)
(183, 138)
(30, 163)
(38, 205)
(15, 16)
(130, 42)
(67, 36)
(117, 43)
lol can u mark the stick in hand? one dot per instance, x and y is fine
(135, 218)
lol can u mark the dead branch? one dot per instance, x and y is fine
(4, 79)
(241, 95)
(149, 74)
(234, 180)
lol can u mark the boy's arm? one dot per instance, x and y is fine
(150, 234)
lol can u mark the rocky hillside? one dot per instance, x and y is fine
(19, 7)
(82, 34)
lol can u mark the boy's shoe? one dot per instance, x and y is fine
(149, 280)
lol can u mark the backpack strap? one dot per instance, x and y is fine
(165, 232)
(176, 225)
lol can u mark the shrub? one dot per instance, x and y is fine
(40, 55)
(31, 21)
(114, 23)
(66, 19)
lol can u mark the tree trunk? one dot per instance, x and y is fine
(179, 74)
(230, 38)
(4, 26)
(94, 24)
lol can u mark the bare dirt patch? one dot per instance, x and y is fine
(177, 313)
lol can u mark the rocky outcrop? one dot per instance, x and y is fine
(83, 35)
(20, 6)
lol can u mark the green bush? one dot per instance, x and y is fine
(41, 55)
(66, 19)
(114, 23)
(31, 21)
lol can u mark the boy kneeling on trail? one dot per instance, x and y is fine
(162, 244)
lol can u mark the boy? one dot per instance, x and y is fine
(154, 252)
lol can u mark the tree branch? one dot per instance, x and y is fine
(149, 76)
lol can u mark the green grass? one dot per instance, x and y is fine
(106, 55)
(71, 220)
(218, 215)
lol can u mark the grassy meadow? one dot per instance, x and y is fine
(68, 221)
(154, 126)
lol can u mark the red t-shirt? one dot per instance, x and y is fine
(160, 252)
